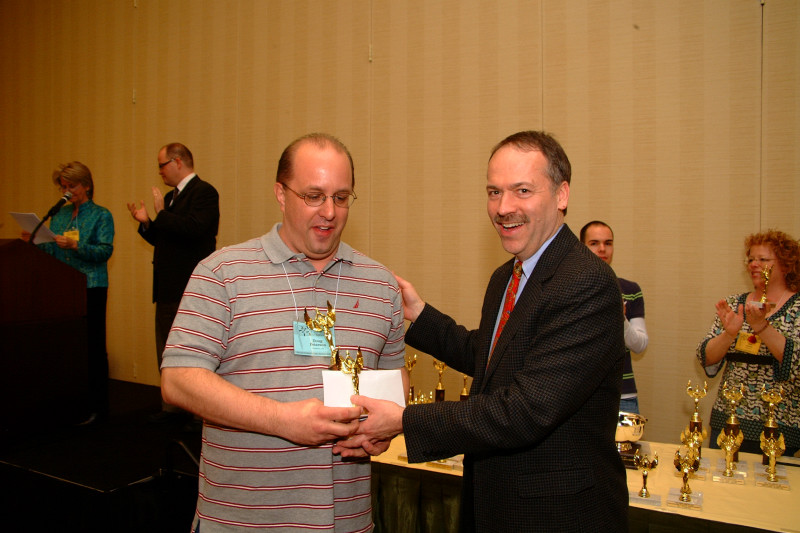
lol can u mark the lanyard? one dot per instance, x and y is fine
(335, 298)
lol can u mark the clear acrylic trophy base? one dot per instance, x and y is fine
(762, 479)
(695, 502)
(654, 500)
(739, 476)
(451, 463)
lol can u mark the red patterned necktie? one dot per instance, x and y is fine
(508, 304)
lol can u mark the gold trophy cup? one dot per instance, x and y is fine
(686, 463)
(645, 465)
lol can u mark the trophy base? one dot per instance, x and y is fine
(739, 476)
(695, 502)
(780, 483)
(627, 452)
(653, 500)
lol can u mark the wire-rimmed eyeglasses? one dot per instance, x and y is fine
(316, 199)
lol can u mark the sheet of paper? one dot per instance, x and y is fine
(29, 221)
(380, 384)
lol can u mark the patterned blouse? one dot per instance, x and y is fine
(755, 371)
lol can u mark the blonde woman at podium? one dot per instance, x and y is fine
(84, 240)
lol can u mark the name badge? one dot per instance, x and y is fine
(311, 343)
(748, 343)
(73, 234)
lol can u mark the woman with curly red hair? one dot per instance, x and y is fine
(760, 342)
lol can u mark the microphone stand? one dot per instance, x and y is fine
(49, 214)
(39, 225)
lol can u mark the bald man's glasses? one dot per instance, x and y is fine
(316, 199)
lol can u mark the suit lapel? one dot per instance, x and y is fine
(525, 307)
(182, 196)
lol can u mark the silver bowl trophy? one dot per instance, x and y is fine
(630, 428)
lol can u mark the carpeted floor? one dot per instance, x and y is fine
(128, 474)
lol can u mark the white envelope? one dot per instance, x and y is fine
(379, 384)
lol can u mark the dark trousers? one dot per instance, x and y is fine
(96, 299)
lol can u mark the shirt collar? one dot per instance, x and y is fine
(180, 186)
(278, 252)
(530, 263)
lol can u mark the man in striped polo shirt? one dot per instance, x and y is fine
(240, 356)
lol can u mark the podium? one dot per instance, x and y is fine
(44, 381)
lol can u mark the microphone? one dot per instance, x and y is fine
(59, 204)
(53, 211)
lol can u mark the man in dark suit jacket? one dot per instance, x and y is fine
(183, 232)
(538, 428)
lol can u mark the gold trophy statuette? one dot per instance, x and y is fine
(410, 362)
(686, 463)
(772, 443)
(730, 443)
(694, 434)
(645, 465)
(464, 391)
(324, 323)
(766, 272)
(353, 367)
(439, 387)
(733, 396)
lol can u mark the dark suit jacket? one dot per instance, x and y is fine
(538, 428)
(182, 234)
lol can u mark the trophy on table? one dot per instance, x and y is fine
(772, 443)
(464, 392)
(731, 437)
(645, 465)
(410, 362)
(324, 323)
(440, 366)
(686, 462)
(694, 434)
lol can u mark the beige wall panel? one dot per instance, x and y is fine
(780, 178)
(304, 68)
(450, 80)
(675, 137)
(657, 105)
(185, 70)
